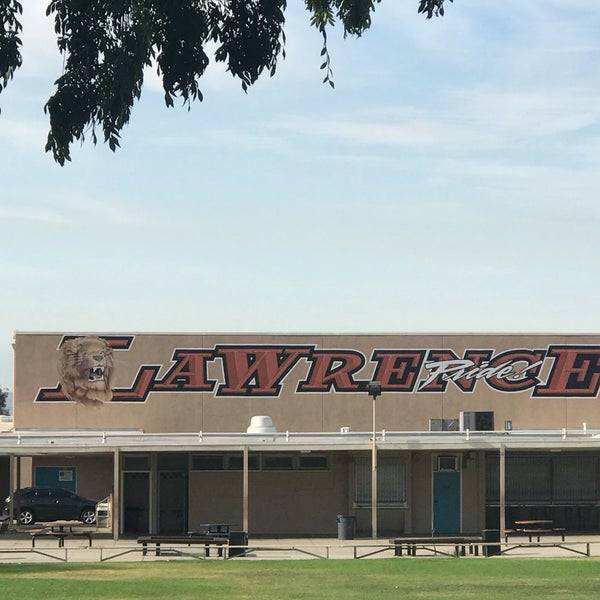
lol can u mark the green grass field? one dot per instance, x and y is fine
(380, 579)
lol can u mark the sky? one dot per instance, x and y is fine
(449, 183)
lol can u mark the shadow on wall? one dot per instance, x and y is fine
(4, 479)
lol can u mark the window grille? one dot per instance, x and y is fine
(391, 481)
(564, 478)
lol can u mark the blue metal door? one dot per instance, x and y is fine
(446, 502)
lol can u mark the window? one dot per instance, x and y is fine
(313, 462)
(295, 462)
(136, 462)
(391, 481)
(534, 479)
(172, 461)
(208, 462)
(265, 461)
(236, 462)
(224, 462)
(278, 462)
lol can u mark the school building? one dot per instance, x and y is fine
(279, 434)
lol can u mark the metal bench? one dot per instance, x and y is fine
(205, 540)
(449, 545)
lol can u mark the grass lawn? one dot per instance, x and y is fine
(379, 579)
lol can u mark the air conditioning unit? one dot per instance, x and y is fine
(447, 463)
(477, 420)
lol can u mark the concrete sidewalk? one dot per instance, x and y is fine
(17, 547)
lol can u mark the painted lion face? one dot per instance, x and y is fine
(86, 370)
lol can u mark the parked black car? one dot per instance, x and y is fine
(51, 504)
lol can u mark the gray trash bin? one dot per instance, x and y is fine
(346, 527)
(489, 536)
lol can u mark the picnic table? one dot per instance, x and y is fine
(535, 528)
(216, 528)
(60, 531)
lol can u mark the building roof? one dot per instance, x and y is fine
(28, 442)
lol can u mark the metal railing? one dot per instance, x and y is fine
(86, 439)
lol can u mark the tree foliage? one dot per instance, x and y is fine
(108, 43)
(3, 400)
(10, 43)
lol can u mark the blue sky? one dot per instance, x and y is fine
(450, 182)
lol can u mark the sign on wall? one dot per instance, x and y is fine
(87, 371)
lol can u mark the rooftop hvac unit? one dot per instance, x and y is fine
(261, 424)
(477, 420)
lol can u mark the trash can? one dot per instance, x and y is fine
(238, 538)
(346, 527)
(489, 536)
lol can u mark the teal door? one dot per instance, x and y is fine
(446, 502)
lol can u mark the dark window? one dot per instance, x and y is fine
(236, 462)
(172, 461)
(278, 462)
(208, 462)
(265, 461)
(313, 462)
(136, 462)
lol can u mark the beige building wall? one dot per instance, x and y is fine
(472, 492)
(421, 493)
(280, 503)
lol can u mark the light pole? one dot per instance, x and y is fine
(374, 390)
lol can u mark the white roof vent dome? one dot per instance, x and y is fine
(261, 424)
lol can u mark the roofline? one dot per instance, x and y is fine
(45, 441)
(309, 333)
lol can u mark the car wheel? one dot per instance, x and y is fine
(88, 516)
(26, 517)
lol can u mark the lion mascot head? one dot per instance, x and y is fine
(85, 369)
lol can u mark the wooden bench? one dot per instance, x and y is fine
(458, 545)
(205, 540)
